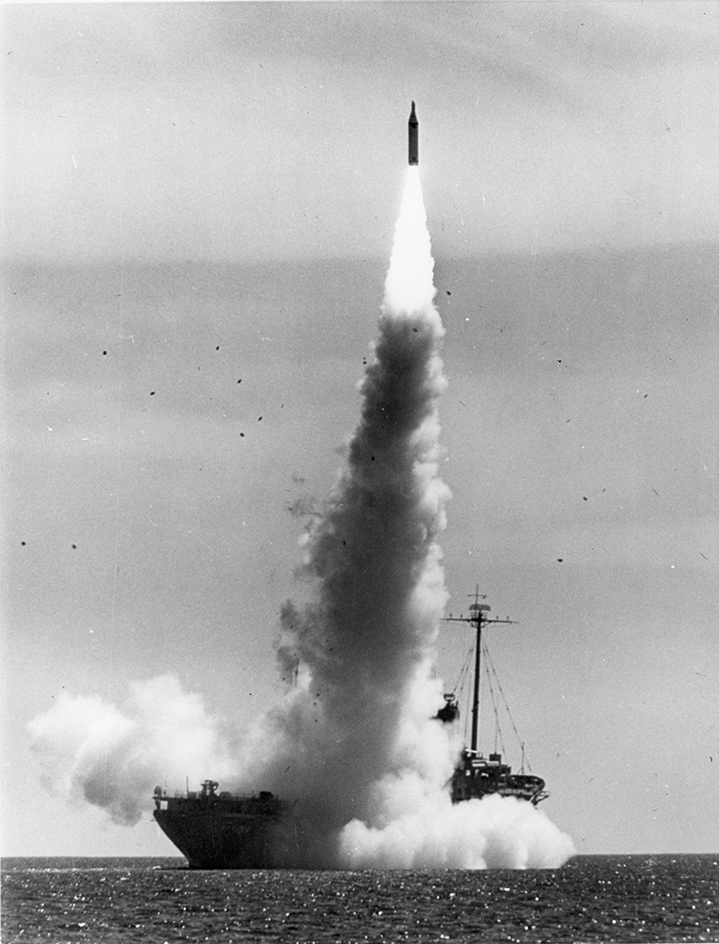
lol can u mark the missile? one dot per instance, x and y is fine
(413, 134)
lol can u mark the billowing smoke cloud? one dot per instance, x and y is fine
(91, 750)
(428, 831)
(354, 743)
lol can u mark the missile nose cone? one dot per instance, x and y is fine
(413, 116)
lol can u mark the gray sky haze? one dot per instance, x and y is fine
(257, 131)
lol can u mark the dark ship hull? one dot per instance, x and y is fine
(222, 830)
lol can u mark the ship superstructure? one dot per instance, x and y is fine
(477, 775)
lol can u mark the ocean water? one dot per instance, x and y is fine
(592, 898)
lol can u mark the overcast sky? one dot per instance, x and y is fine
(200, 201)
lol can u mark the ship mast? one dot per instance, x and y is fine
(477, 618)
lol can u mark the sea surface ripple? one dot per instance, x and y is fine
(592, 898)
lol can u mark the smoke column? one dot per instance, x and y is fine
(354, 743)
(363, 643)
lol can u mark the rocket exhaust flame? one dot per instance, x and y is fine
(354, 742)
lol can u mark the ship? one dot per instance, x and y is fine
(476, 775)
(223, 830)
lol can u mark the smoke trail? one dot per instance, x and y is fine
(363, 643)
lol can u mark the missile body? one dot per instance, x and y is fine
(413, 133)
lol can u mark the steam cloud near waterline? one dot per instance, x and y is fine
(354, 742)
(92, 751)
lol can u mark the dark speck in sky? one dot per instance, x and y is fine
(152, 393)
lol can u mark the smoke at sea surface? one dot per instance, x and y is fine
(354, 743)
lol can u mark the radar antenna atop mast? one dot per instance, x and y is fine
(477, 618)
